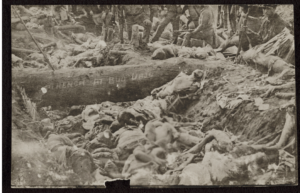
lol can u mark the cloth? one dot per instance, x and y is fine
(138, 14)
(194, 16)
(209, 36)
(55, 141)
(170, 17)
(129, 139)
(153, 11)
(205, 30)
(195, 174)
(193, 24)
(206, 19)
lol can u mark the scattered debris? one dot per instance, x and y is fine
(214, 123)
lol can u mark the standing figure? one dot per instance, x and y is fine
(86, 17)
(205, 30)
(96, 12)
(272, 24)
(173, 16)
(193, 16)
(140, 15)
(108, 18)
(154, 10)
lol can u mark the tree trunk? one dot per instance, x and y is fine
(66, 87)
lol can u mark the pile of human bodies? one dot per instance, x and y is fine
(146, 142)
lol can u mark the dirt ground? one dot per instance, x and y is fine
(32, 165)
(235, 99)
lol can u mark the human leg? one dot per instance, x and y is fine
(162, 26)
(175, 24)
(129, 24)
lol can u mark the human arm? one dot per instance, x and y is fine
(203, 21)
(141, 155)
(85, 14)
(190, 158)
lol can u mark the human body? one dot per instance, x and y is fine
(205, 30)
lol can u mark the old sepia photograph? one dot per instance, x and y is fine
(163, 95)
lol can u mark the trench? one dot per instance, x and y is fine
(36, 167)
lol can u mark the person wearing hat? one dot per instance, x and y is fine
(272, 23)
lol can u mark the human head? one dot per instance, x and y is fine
(269, 9)
(162, 13)
(162, 169)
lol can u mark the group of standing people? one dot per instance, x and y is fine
(187, 21)
(104, 19)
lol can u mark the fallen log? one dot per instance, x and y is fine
(67, 87)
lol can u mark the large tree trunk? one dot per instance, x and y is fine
(66, 87)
